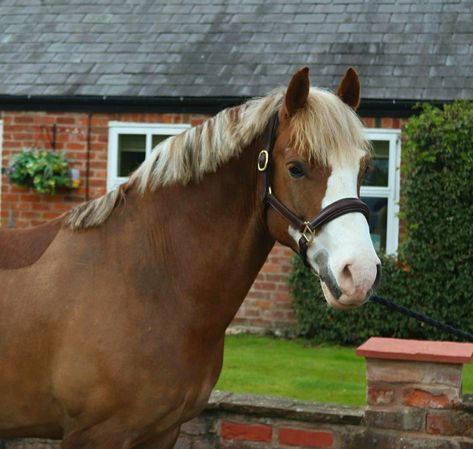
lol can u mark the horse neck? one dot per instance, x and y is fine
(208, 238)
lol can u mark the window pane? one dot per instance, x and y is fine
(157, 139)
(378, 221)
(378, 170)
(131, 152)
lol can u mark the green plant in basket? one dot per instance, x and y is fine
(45, 171)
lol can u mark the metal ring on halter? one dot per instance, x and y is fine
(263, 160)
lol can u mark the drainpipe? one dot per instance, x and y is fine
(87, 160)
(1, 171)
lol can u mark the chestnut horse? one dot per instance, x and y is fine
(112, 317)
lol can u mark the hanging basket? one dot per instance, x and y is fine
(42, 170)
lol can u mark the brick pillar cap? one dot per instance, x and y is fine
(416, 350)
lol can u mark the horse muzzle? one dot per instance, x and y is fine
(352, 287)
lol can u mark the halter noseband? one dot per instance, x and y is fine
(307, 228)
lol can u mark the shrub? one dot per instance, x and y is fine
(434, 270)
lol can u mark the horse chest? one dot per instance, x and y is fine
(195, 380)
(181, 389)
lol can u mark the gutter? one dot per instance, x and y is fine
(197, 105)
(114, 104)
(393, 108)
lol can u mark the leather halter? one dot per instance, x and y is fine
(308, 228)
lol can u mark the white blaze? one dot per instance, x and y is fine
(344, 243)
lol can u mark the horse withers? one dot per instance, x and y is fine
(112, 317)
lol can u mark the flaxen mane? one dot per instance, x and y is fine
(325, 129)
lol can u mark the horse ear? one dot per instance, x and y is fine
(297, 91)
(349, 89)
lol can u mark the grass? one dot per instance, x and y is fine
(296, 369)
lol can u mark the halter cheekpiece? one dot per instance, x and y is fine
(307, 228)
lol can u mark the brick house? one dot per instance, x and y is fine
(106, 80)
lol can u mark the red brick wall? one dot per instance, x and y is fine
(22, 207)
(268, 304)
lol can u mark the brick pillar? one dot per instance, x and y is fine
(414, 393)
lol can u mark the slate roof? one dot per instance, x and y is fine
(403, 49)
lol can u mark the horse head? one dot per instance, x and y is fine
(318, 154)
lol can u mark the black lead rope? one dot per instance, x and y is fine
(421, 317)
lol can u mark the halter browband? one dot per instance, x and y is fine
(307, 228)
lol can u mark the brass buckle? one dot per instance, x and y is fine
(308, 233)
(263, 159)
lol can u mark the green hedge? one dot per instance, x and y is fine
(434, 269)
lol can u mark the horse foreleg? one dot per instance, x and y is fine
(165, 440)
(95, 439)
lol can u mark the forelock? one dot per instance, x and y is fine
(327, 130)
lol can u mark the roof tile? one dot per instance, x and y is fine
(234, 47)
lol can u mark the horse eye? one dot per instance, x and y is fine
(296, 171)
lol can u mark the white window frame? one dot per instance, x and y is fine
(116, 128)
(392, 190)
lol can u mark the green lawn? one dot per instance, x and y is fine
(295, 369)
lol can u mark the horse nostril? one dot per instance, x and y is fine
(356, 279)
(346, 273)
(347, 281)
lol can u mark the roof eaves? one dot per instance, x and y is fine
(370, 107)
